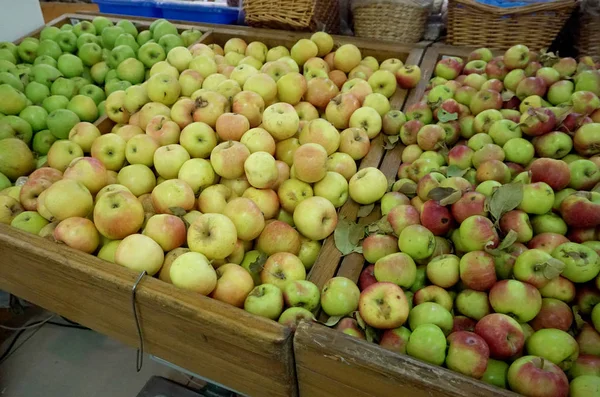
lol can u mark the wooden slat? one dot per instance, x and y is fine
(52, 10)
(331, 363)
(244, 352)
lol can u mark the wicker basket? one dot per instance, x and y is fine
(294, 14)
(474, 24)
(393, 20)
(588, 40)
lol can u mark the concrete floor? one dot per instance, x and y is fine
(54, 361)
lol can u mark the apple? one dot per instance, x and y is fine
(281, 121)
(278, 236)
(172, 194)
(301, 293)
(315, 217)
(354, 142)
(139, 253)
(473, 304)
(427, 342)
(167, 230)
(367, 186)
(333, 187)
(581, 262)
(468, 354)
(266, 199)
(78, 233)
(265, 300)
(503, 335)
(495, 373)
(586, 364)
(192, 271)
(553, 314)
(118, 205)
(282, 268)
(559, 288)
(532, 375)
(395, 339)
(398, 268)
(403, 216)
(584, 174)
(521, 300)
(9, 209)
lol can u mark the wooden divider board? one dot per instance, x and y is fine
(245, 353)
(330, 363)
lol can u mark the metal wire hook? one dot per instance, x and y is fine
(139, 362)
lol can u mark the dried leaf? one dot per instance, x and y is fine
(508, 241)
(358, 249)
(359, 320)
(371, 335)
(445, 116)
(410, 189)
(505, 198)
(455, 171)
(440, 193)
(257, 266)
(365, 210)
(332, 321)
(451, 199)
(177, 211)
(347, 235)
(382, 226)
(579, 322)
(553, 268)
(390, 141)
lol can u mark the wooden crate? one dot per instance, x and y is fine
(331, 363)
(245, 353)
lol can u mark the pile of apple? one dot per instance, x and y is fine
(486, 259)
(48, 85)
(224, 170)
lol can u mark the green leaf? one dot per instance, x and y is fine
(177, 211)
(579, 322)
(553, 268)
(505, 198)
(332, 321)
(507, 95)
(365, 210)
(445, 117)
(409, 189)
(382, 226)
(371, 335)
(258, 264)
(455, 171)
(347, 235)
(359, 320)
(508, 241)
(440, 193)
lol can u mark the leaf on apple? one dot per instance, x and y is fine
(371, 335)
(365, 210)
(455, 171)
(505, 198)
(359, 320)
(579, 322)
(553, 268)
(445, 116)
(382, 226)
(444, 195)
(258, 264)
(390, 141)
(177, 211)
(409, 189)
(347, 236)
(507, 95)
(548, 59)
(332, 321)
(510, 239)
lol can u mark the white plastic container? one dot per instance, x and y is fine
(19, 18)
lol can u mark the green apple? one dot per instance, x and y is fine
(109, 36)
(28, 50)
(155, 23)
(519, 150)
(119, 54)
(49, 33)
(55, 102)
(339, 296)
(163, 88)
(581, 262)
(66, 28)
(128, 27)
(16, 159)
(36, 92)
(548, 223)
(84, 27)
(151, 53)
(554, 345)
(19, 128)
(100, 23)
(70, 65)
(538, 198)
(90, 54)
(79, 82)
(84, 107)
(29, 221)
(101, 109)
(7, 55)
(128, 40)
(416, 241)
(143, 37)
(427, 342)
(163, 28)
(190, 36)
(131, 70)
(61, 121)
(42, 141)
(111, 75)
(35, 116)
(94, 92)
(495, 373)
(585, 386)
(45, 74)
(431, 313)
(595, 316)
(12, 101)
(12, 80)
(170, 41)
(12, 48)
(49, 48)
(116, 85)
(99, 71)
(64, 87)
(67, 41)
(86, 38)
(5, 182)
(6, 66)
(265, 300)
(45, 59)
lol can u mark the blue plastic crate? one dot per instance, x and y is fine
(196, 11)
(140, 8)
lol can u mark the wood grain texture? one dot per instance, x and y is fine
(246, 353)
(52, 10)
(331, 363)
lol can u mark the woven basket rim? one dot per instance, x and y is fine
(537, 7)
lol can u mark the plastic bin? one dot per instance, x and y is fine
(140, 8)
(197, 11)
